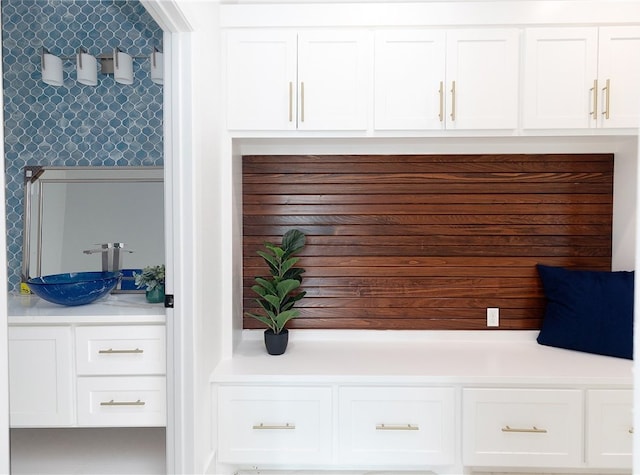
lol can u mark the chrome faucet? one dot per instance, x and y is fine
(111, 255)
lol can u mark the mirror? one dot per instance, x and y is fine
(70, 212)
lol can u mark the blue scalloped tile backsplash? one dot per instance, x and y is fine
(74, 125)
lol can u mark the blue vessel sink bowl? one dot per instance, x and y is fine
(75, 288)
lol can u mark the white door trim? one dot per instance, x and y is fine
(179, 225)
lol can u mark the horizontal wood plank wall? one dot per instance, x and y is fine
(427, 241)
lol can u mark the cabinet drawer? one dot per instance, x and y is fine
(274, 425)
(609, 428)
(397, 426)
(120, 350)
(122, 401)
(522, 427)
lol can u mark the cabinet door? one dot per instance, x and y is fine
(619, 76)
(261, 80)
(334, 75)
(40, 377)
(609, 428)
(397, 426)
(522, 427)
(409, 79)
(482, 79)
(274, 425)
(560, 83)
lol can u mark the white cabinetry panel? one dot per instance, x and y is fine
(284, 80)
(275, 425)
(522, 427)
(397, 426)
(609, 428)
(409, 79)
(333, 74)
(41, 376)
(619, 76)
(582, 77)
(453, 79)
(560, 74)
(482, 77)
(261, 80)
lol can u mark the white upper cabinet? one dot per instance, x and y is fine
(283, 80)
(581, 77)
(619, 76)
(333, 80)
(454, 79)
(409, 79)
(261, 80)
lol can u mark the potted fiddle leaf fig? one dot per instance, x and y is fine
(278, 293)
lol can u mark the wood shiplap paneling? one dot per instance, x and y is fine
(427, 241)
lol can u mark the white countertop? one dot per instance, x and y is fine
(445, 357)
(114, 308)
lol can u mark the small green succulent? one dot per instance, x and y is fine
(151, 277)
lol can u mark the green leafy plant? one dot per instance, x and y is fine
(151, 277)
(278, 294)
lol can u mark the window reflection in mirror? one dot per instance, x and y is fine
(69, 210)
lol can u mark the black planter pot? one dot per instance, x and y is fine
(276, 343)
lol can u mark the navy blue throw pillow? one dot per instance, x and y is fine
(588, 311)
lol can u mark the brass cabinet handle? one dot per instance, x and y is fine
(607, 93)
(453, 100)
(111, 351)
(302, 101)
(397, 427)
(534, 430)
(594, 94)
(290, 101)
(441, 94)
(263, 426)
(123, 403)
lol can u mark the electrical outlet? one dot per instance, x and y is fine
(493, 317)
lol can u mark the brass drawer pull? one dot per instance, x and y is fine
(441, 108)
(594, 91)
(262, 426)
(302, 101)
(397, 427)
(453, 100)
(607, 97)
(111, 351)
(123, 403)
(534, 430)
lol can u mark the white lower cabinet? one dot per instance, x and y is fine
(405, 428)
(277, 425)
(396, 426)
(522, 427)
(87, 375)
(609, 428)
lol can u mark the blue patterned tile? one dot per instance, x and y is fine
(74, 125)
